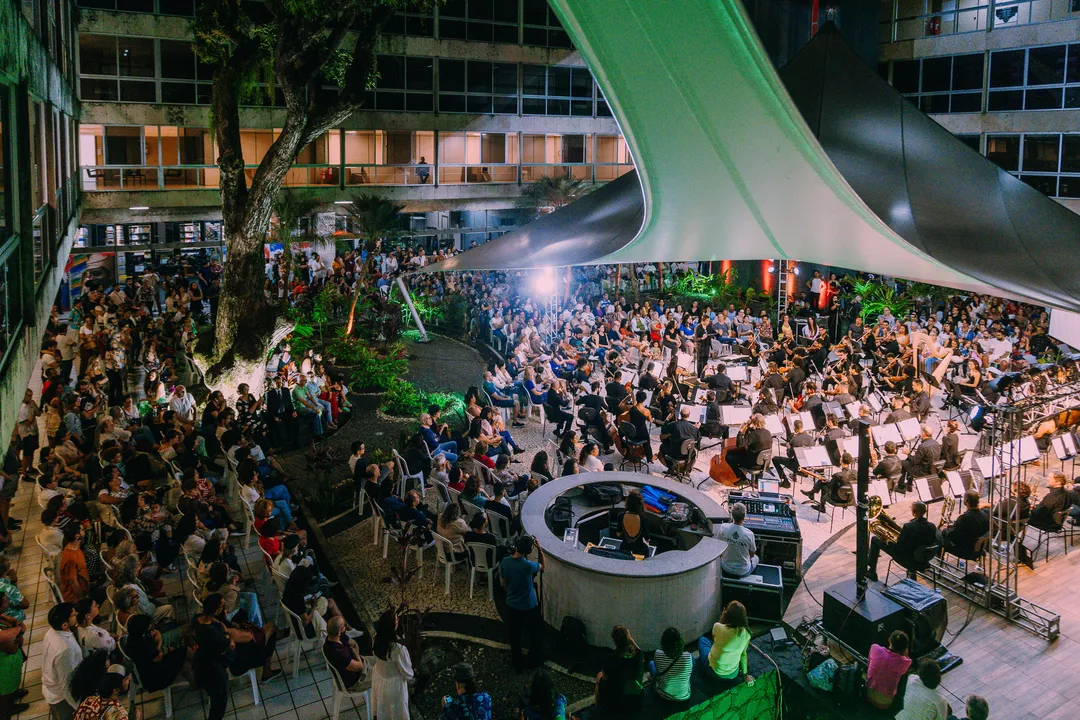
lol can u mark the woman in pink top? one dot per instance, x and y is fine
(887, 666)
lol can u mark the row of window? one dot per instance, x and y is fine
(1037, 78)
(137, 69)
(531, 22)
(1048, 162)
(911, 19)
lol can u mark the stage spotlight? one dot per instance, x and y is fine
(977, 417)
(795, 270)
(771, 269)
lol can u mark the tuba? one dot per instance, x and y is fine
(881, 524)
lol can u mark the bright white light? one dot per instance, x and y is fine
(543, 283)
(771, 269)
(343, 202)
(139, 207)
(795, 270)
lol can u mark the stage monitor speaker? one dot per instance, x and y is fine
(927, 615)
(860, 623)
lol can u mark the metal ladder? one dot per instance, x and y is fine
(783, 276)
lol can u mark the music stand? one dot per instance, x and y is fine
(881, 488)
(697, 412)
(1029, 450)
(885, 433)
(737, 373)
(774, 425)
(732, 415)
(814, 456)
(849, 445)
(684, 360)
(929, 489)
(909, 428)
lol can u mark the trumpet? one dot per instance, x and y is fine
(881, 524)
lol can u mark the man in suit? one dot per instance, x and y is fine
(950, 445)
(921, 462)
(917, 533)
(673, 434)
(839, 489)
(890, 465)
(281, 417)
(960, 539)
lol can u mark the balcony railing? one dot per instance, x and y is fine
(961, 16)
(102, 178)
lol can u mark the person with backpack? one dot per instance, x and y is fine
(516, 574)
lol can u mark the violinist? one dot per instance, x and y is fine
(648, 380)
(811, 397)
(899, 412)
(754, 439)
(841, 393)
(796, 376)
(773, 380)
(665, 402)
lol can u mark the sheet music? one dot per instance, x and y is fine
(697, 412)
(965, 462)
(850, 445)
(737, 373)
(881, 489)
(813, 457)
(985, 464)
(686, 362)
(956, 482)
(852, 409)
(1070, 443)
(884, 433)
(1029, 450)
(807, 418)
(734, 415)
(922, 485)
(874, 403)
(967, 442)
(774, 425)
(629, 376)
(699, 395)
(909, 428)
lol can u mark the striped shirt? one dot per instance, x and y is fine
(672, 677)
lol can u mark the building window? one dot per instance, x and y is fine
(1050, 163)
(5, 170)
(405, 83)
(551, 90)
(185, 8)
(477, 86)
(541, 26)
(410, 23)
(142, 70)
(1038, 78)
(950, 84)
(479, 21)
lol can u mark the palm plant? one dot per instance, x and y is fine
(551, 193)
(290, 209)
(376, 218)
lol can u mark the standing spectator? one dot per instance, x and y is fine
(59, 659)
(74, 578)
(886, 667)
(11, 664)
(922, 701)
(468, 702)
(516, 574)
(392, 673)
(27, 428)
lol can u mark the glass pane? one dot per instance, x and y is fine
(532, 106)
(96, 89)
(390, 101)
(506, 12)
(479, 104)
(391, 72)
(1047, 185)
(972, 141)
(1043, 99)
(558, 82)
(123, 145)
(451, 103)
(505, 34)
(452, 75)
(479, 80)
(533, 79)
(481, 9)
(194, 146)
(935, 74)
(133, 91)
(418, 73)
(136, 56)
(419, 102)
(505, 78)
(1004, 151)
(1005, 100)
(480, 32)
(558, 107)
(534, 12)
(493, 148)
(934, 104)
(451, 29)
(1041, 153)
(581, 108)
(177, 60)
(1070, 153)
(905, 76)
(573, 148)
(967, 73)
(1072, 71)
(505, 105)
(581, 83)
(1046, 65)
(1069, 187)
(453, 8)
(176, 7)
(97, 55)
(4, 170)
(966, 102)
(183, 93)
(1007, 68)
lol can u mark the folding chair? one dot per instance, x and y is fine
(482, 559)
(297, 638)
(444, 553)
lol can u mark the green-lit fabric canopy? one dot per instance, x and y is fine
(728, 169)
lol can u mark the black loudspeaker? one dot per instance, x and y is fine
(926, 613)
(860, 623)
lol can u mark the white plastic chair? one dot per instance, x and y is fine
(444, 553)
(297, 638)
(443, 495)
(406, 475)
(50, 578)
(500, 525)
(341, 692)
(481, 558)
(53, 554)
(249, 522)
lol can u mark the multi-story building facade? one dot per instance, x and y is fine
(1002, 75)
(39, 189)
(472, 101)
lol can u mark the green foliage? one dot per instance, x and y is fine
(551, 193)
(717, 290)
(371, 370)
(375, 216)
(427, 311)
(403, 399)
(878, 295)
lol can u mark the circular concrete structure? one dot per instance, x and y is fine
(679, 588)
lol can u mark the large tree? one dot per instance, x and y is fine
(297, 47)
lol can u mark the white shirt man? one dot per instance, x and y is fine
(67, 343)
(740, 558)
(922, 703)
(59, 659)
(997, 348)
(183, 404)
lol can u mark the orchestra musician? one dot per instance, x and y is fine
(713, 426)
(772, 381)
(616, 391)
(799, 438)
(1062, 498)
(890, 465)
(753, 439)
(920, 462)
(796, 376)
(920, 400)
(840, 488)
(721, 383)
(702, 345)
(916, 534)
(899, 412)
(833, 433)
(639, 416)
(648, 380)
(665, 402)
(974, 523)
(674, 433)
(556, 407)
(950, 445)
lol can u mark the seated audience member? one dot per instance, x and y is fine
(158, 667)
(724, 654)
(922, 701)
(91, 637)
(619, 685)
(343, 654)
(543, 702)
(467, 702)
(741, 557)
(886, 667)
(453, 527)
(671, 668)
(976, 708)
